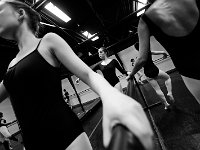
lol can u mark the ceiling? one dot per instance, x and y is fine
(114, 21)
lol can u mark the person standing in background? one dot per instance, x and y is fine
(108, 68)
(153, 73)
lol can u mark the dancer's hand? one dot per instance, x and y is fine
(120, 108)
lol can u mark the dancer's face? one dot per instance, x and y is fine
(102, 53)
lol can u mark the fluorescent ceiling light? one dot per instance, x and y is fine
(95, 38)
(85, 33)
(88, 35)
(141, 5)
(56, 11)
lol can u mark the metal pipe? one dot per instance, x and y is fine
(123, 139)
(112, 26)
(79, 99)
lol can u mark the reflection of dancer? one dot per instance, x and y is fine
(139, 73)
(43, 116)
(108, 67)
(167, 21)
(152, 73)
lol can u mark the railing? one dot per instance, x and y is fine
(11, 123)
(123, 139)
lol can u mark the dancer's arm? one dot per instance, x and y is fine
(131, 114)
(120, 68)
(144, 47)
(95, 68)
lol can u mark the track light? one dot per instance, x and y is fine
(56, 11)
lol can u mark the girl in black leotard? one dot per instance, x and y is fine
(176, 26)
(45, 120)
(153, 73)
(108, 67)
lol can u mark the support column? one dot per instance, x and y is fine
(71, 82)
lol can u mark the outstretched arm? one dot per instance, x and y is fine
(117, 65)
(144, 47)
(95, 68)
(131, 114)
(63, 52)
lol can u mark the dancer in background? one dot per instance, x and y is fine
(153, 73)
(176, 25)
(108, 68)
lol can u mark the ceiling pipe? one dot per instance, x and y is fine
(53, 26)
(121, 21)
(40, 4)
